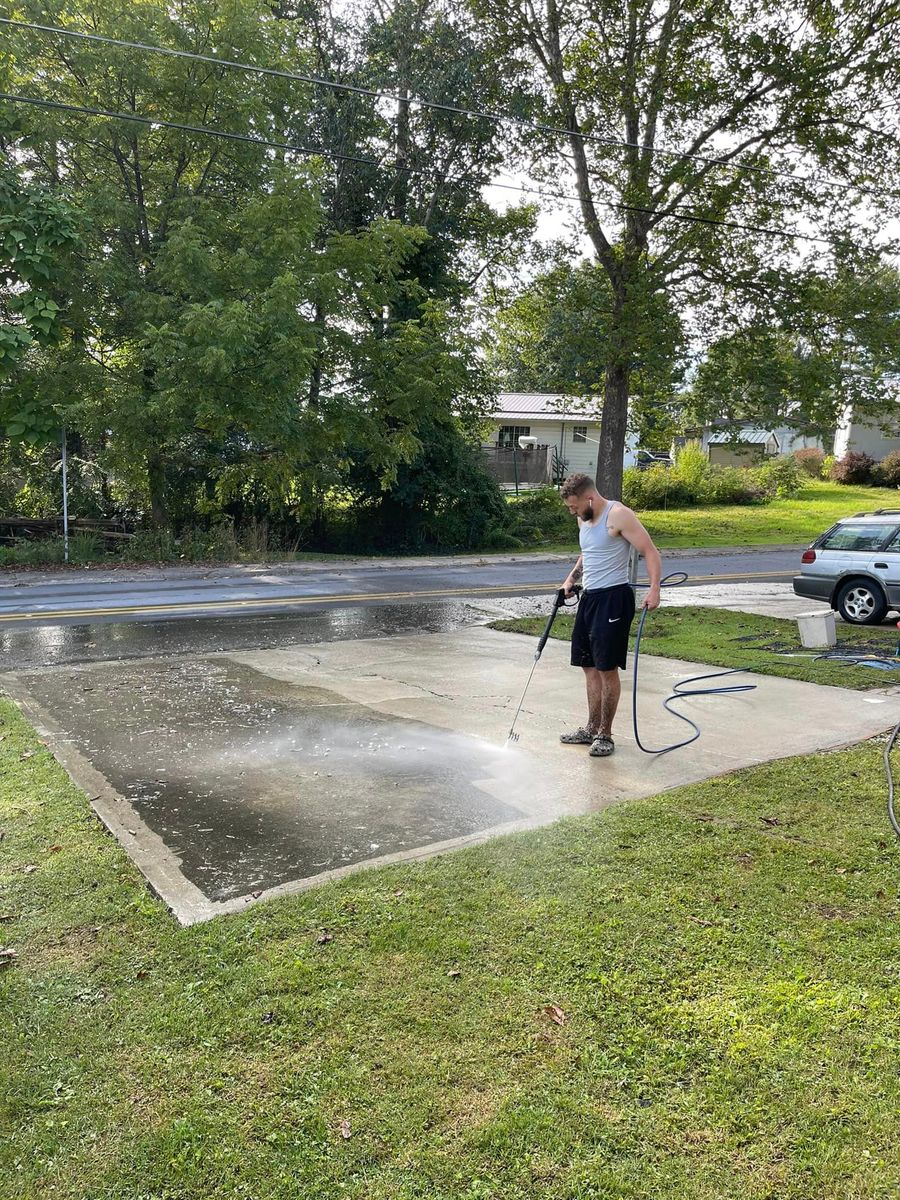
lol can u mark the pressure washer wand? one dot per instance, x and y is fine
(558, 603)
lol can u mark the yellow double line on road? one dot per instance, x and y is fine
(350, 598)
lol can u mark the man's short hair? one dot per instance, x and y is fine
(576, 485)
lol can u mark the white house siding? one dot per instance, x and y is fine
(789, 440)
(580, 456)
(862, 438)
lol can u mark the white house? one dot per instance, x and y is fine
(865, 436)
(567, 426)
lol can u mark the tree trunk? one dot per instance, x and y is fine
(156, 482)
(613, 428)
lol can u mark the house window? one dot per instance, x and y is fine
(579, 433)
(508, 437)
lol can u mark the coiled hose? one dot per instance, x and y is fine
(681, 691)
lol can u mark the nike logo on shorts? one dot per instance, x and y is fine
(612, 620)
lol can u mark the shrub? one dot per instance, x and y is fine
(540, 515)
(887, 472)
(810, 461)
(500, 539)
(854, 467)
(152, 545)
(733, 485)
(781, 477)
(693, 469)
(83, 548)
(828, 465)
(657, 487)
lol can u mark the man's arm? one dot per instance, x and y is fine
(574, 576)
(634, 532)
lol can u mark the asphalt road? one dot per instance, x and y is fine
(216, 592)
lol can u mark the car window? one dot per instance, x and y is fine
(859, 537)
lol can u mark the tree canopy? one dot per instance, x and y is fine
(261, 292)
(679, 123)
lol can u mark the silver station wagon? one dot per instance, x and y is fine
(855, 567)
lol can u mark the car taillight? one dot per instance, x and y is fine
(809, 556)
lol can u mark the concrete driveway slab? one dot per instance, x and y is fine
(236, 776)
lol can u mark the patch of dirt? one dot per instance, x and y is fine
(76, 949)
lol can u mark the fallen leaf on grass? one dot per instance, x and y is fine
(344, 1127)
(29, 869)
(26, 754)
(701, 921)
(12, 916)
(770, 820)
(54, 849)
(454, 974)
(7, 956)
(324, 937)
(555, 1013)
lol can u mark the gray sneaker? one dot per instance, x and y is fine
(602, 746)
(578, 737)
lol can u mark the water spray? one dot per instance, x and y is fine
(560, 601)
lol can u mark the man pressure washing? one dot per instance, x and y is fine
(606, 532)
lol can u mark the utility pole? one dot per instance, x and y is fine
(65, 491)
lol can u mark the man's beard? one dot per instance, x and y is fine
(588, 514)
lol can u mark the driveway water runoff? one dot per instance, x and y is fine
(253, 783)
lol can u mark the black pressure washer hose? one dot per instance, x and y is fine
(679, 692)
(892, 816)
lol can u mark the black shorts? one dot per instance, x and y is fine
(602, 625)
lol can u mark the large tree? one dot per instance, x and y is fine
(551, 336)
(674, 118)
(228, 334)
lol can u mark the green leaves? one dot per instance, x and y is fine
(38, 232)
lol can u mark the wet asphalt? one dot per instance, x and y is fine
(84, 617)
(148, 595)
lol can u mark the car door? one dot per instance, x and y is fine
(885, 565)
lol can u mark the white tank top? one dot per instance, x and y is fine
(605, 557)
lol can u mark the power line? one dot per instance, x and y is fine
(208, 131)
(478, 114)
(201, 129)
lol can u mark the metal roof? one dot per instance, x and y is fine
(748, 436)
(546, 406)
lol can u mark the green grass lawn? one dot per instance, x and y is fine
(795, 521)
(801, 519)
(723, 962)
(728, 639)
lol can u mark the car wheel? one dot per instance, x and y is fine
(861, 603)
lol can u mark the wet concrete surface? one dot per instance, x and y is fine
(234, 757)
(27, 648)
(250, 782)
